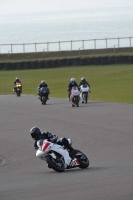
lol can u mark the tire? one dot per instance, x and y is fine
(86, 98)
(73, 102)
(51, 163)
(18, 93)
(83, 160)
(44, 99)
(77, 102)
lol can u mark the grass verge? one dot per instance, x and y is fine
(17, 57)
(112, 83)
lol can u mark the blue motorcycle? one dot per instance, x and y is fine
(44, 92)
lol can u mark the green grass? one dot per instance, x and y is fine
(108, 83)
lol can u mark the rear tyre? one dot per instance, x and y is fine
(44, 99)
(55, 164)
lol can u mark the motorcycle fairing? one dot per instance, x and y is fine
(84, 88)
(74, 91)
(59, 149)
(55, 148)
(45, 145)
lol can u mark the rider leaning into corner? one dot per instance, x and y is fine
(37, 135)
(70, 85)
(42, 84)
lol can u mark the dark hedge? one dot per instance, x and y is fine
(41, 64)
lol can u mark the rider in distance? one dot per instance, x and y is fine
(70, 85)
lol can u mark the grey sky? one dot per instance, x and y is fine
(44, 5)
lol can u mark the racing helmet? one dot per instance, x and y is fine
(35, 132)
(73, 80)
(43, 82)
(83, 79)
(17, 79)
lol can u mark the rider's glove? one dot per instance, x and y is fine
(54, 139)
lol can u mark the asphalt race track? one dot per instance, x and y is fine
(103, 131)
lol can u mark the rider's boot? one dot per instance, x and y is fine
(72, 150)
(39, 96)
(82, 101)
(48, 166)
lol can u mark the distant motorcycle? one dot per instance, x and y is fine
(44, 91)
(75, 96)
(58, 157)
(84, 93)
(18, 89)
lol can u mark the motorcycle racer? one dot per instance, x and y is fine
(37, 135)
(17, 80)
(43, 84)
(71, 84)
(83, 82)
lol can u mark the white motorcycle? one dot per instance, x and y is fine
(75, 96)
(84, 93)
(59, 158)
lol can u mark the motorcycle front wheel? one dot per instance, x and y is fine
(86, 98)
(18, 93)
(44, 99)
(76, 102)
(55, 164)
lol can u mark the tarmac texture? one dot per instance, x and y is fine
(101, 130)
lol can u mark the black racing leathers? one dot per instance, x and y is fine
(43, 85)
(49, 136)
(83, 83)
(45, 135)
(17, 82)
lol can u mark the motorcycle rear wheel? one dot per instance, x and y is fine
(52, 164)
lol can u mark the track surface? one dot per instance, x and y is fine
(103, 131)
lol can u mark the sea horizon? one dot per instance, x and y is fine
(65, 25)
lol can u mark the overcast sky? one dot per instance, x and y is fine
(44, 5)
